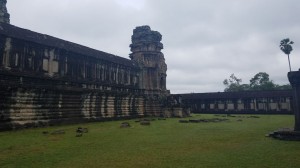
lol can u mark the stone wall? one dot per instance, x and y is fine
(24, 104)
(248, 102)
(294, 78)
(45, 81)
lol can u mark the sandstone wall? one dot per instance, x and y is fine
(47, 81)
(25, 105)
(247, 102)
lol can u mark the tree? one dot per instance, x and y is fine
(233, 84)
(285, 46)
(261, 81)
(283, 87)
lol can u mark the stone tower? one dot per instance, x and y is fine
(4, 16)
(146, 53)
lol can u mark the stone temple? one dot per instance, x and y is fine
(46, 80)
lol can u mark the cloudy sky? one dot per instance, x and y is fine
(204, 40)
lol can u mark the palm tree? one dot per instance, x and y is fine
(285, 46)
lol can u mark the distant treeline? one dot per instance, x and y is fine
(260, 81)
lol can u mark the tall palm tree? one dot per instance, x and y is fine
(285, 46)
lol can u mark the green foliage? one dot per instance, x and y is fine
(283, 87)
(233, 84)
(285, 46)
(162, 144)
(260, 81)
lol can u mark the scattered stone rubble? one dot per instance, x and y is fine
(204, 120)
(125, 125)
(58, 132)
(285, 134)
(145, 122)
(80, 131)
(237, 116)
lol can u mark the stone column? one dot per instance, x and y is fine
(294, 78)
(4, 16)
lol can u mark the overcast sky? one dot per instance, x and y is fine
(204, 40)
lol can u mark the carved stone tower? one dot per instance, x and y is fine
(146, 53)
(4, 16)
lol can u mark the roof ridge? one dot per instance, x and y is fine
(44, 39)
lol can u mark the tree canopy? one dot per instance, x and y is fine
(260, 81)
(233, 84)
(286, 46)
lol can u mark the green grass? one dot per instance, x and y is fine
(162, 144)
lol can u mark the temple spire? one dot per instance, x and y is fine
(146, 53)
(4, 16)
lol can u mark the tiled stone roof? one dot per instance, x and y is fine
(28, 35)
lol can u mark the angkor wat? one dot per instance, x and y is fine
(46, 80)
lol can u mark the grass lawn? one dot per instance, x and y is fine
(165, 143)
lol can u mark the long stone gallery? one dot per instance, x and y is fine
(46, 81)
